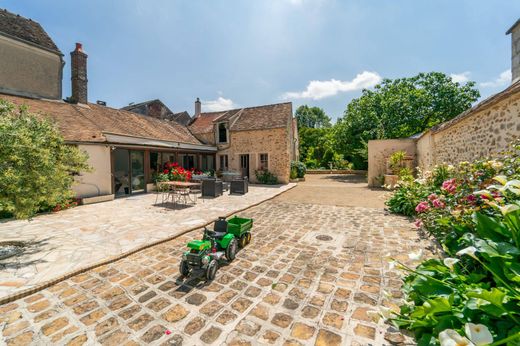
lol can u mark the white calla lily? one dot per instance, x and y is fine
(470, 251)
(479, 334)
(416, 256)
(506, 209)
(450, 262)
(449, 337)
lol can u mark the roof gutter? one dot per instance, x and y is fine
(152, 142)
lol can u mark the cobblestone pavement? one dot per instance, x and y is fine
(59, 243)
(286, 288)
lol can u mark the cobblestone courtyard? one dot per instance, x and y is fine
(286, 288)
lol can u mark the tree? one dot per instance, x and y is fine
(311, 117)
(36, 166)
(400, 108)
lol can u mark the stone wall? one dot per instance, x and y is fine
(380, 150)
(480, 133)
(274, 142)
(29, 71)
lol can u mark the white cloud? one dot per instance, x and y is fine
(220, 104)
(503, 79)
(317, 90)
(460, 77)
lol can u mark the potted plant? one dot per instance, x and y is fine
(395, 163)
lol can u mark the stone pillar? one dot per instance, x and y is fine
(79, 80)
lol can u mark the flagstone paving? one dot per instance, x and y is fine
(59, 243)
(311, 276)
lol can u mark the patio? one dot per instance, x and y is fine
(76, 238)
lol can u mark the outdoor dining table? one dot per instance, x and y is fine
(184, 186)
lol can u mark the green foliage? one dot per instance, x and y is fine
(299, 167)
(399, 108)
(294, 173)
(473, 210)
(266, 177)
(396, 160)
(311, 117)
(36, 166)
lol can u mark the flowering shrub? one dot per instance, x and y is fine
(174, 172)
(472, 295)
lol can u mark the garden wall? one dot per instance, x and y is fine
(485, 130)
(380, 150)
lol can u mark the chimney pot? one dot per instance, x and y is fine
(79, 47)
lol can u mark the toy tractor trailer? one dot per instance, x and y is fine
(222, 241)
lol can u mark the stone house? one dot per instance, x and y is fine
(484, 130)
(126, 147)
(31, 64)
(157, 109)
(250, 139)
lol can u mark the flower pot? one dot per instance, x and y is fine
(391, 180)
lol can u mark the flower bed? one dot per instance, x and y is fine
(174, 172)
(472, 295)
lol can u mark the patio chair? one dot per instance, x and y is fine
(195, 191)
(163, 190)
(181, 194)
(211, 188)
(239, 186)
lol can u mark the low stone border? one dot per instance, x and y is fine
(27, 292)
(336, 171)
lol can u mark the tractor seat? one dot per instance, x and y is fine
(216, 235)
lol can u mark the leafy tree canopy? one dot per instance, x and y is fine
(400, 108)
(36, 166)
(311, 117)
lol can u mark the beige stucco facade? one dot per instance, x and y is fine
(98, 182)
(28, 70)
(380, 150)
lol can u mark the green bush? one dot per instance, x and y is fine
(36, 166)
(473, 211)
(294, 173)
(299, 167)
(266, 177)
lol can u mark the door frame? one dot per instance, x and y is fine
(247, 158)
(130, 175)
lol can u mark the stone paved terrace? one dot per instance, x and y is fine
(72, 239)
(285, 288)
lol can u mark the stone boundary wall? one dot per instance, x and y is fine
(485, 130)
(336, 171)
(378, 152)
(481, 133)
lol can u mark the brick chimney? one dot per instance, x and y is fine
(197, 108)
(79, 80)
(515, 51)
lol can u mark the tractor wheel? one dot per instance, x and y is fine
(211, 270)
(184, 269)
(231, 250)
(243, 240)
(248, 238)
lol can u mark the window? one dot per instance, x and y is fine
(188, 161)
(207, 162)
(222, 133)
(264, 162)
(223, 162)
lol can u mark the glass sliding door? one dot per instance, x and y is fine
(121, 173)
(128, 172)
(137, 173)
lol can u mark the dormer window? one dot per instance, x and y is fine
(222, 133)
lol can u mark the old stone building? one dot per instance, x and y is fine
(30, 63)
(250, 139)
(157, 109)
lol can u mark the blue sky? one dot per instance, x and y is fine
(247, 53)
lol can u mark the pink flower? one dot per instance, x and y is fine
(437, 203)
(167, 332)
(449, 186)
(422, 207)
(471, 198)
(432, 197)
(418, 223)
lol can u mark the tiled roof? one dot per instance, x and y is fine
(25, 29)
(243, 119)
(182, 118)
(87, 124)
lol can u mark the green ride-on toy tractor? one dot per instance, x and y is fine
(222, 241)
